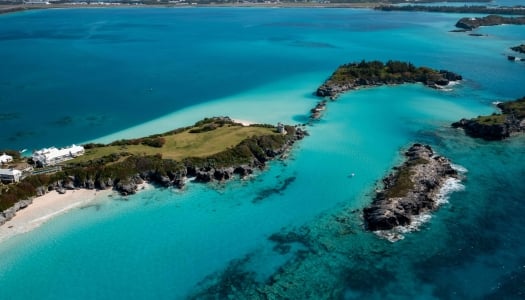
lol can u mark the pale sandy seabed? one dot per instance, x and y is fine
(50, 205)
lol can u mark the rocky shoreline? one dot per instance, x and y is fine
(172, 174)
(411, 190)
(374, 73)
(496, 126)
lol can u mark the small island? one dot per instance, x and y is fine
(497, 126)
(490, 20)
(214, 149)
(375, 73)
(412, 189)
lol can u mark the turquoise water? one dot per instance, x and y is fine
(99, 74)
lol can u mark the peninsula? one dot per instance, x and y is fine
(497, 126)
(412, 189)
(375, 73)
(214, 149)
(490, 20)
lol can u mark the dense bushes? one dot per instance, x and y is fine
(157, 142)
(377, 71)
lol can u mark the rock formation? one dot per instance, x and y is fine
(490, 20)
(412, 189)
(496, 126)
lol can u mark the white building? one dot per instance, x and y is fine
(4, 158)
(10, 175)
(52, 156)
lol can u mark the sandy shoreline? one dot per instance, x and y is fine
(47, 207)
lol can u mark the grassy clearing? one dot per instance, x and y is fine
(491, 120)
(183, 145)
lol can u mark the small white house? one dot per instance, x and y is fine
(10, 175)
(4, 158)
(52, 156)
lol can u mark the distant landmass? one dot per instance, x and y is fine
(491, 20)
(455, 9)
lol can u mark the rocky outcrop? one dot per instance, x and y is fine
(489, 132)
(520, 48)
(410, 190)
(9, 213)
(317, 110)
(128, 186)
(497, 126)
(490, 20)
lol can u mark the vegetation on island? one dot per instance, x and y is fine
(490, 20)
(411, 189)
(210, 145)
(374, 73)
(497, 126)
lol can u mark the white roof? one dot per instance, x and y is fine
(5, 158)
(53, 152)
(11, 172)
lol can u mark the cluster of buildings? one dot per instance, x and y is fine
(42, 158)
(8, 174)
(52, 156)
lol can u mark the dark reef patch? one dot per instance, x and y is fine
(308, 44)
(225, 284)
(8, 116)
(21, 135)
(272, 191)
(64, 121)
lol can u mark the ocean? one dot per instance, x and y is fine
(295, 229)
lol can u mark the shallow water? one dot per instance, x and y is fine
(103, 74)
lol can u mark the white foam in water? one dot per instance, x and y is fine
(449, 186)
(459, 168)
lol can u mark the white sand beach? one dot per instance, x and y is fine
(46, 207)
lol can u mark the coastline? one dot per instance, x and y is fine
(47, 207)
(25, 7)
(52, 205)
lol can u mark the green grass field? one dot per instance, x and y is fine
(185, 144)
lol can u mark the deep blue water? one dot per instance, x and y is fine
(85, 74)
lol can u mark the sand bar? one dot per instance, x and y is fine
(46, 207)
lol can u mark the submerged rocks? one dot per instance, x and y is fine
(410, 190)
(317, 110)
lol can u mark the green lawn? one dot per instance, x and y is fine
(184, 144)
(491, 120)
